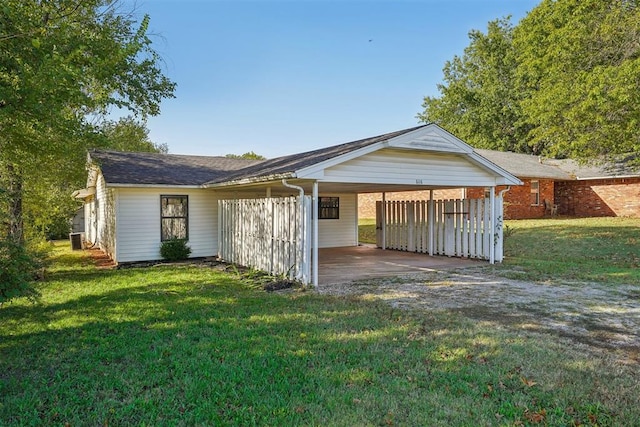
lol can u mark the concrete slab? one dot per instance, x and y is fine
(347, 264)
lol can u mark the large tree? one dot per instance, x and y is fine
(579, 69)
(477, 99)
(64, 63)
(564, 82)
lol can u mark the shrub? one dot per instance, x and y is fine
(19, 269)
(175, 250)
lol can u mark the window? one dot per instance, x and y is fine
(174, 217)
(328, 208)
(535, 193)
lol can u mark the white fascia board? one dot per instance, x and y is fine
(83, 193)
(247, 181)
(317, 171)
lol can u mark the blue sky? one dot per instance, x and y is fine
(281, 77)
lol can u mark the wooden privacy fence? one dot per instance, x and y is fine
(458, 228)
(269, 234)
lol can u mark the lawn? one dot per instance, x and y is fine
(191, 345)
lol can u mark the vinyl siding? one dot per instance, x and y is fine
(394, 166)
(139, 222)
(102, 213)
(334, 233)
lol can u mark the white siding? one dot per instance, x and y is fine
(335, 233)
(102, 218)
(395, 166)
(139, 222)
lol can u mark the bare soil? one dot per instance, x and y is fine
(604, 318)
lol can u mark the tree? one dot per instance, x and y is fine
(478, 101)
(250, 155)
(64, 63)
(564, 82)
(579, 69)
(128, 134)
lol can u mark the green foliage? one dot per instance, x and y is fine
(248, 155)
(19, 268)
(175, 250)
(563, 82)
(128, 134)
(479, 102)
(63, 65)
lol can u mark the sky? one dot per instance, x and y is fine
(288, 76)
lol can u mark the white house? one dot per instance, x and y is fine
(275, 214)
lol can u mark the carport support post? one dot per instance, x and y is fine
(384, 221)
(314, 247)
(492, 225)
(431, 216)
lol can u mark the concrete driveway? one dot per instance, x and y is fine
(347, 264)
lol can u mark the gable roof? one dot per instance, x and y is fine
(163, 169)
(285, 166)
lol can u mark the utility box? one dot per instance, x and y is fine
(76, 241)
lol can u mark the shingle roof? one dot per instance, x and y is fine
(289, 164)
(618, 168)
(524, 165)
(163, 169)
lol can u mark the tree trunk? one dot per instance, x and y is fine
(13, 224)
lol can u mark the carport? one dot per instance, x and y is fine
(279, 214)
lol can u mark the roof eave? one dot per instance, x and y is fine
(249, 181)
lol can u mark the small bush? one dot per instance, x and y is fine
(175, 250)
(19, 269)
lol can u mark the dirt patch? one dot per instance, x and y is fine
(606, 318)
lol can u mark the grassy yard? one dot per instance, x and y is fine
(603, 250)
(190, 345)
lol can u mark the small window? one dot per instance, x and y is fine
(174, 217)
(328, 208)
(535, 193)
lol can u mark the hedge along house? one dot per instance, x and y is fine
(275, 214)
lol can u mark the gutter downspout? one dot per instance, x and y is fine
(299, 272)
(501, 194)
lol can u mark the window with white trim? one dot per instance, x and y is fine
(174, 217)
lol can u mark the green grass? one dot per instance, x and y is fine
(189, 345)
(367, 230)
(604, 250)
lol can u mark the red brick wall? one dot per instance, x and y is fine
(599, 197)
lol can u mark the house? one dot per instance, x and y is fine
(574, 189)
(275, 214)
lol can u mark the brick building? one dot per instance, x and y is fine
(549, 187)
